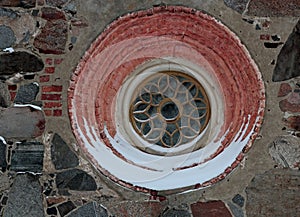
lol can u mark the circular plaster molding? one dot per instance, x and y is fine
(139, 45)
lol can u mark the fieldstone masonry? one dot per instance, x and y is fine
(41, 43)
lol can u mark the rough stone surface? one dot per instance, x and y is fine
(91, 209)
(291, 104)
(18, 3)
(53, 38)
(237, 5)
(293, 122)
(274, 193)
(4, 95)
(21, 122)
(285, 150)
(284, 89)
(56, 3)
(239, 200)
(211, 208)
(52, 14)
(236, 211)
(288, 61)
(75, 179)
(25, 197)
(175, 213)
(62, 156)
(7, 37)
(11, 63)
(4, 12)
(273, 8)
(130, 208)
(4, 182)
(3, 162)
(65, 208)
(27, 93)
(28, 157)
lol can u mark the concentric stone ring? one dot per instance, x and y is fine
(110, 83)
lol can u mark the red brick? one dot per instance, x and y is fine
(49, 70)
(58, 61)
(44, 78)
(57, 113)
(53, 88)
(48, 112)
(52, 105)
(284, 90)
(210, 209)
(51, 96)
(12, 87)
(265, 37)
(49, 61)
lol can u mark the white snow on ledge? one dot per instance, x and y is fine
(9, 49)
(28, 105)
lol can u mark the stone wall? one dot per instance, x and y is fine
(44, 173)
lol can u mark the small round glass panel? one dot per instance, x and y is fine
(169, 109)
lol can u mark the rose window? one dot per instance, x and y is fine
(169, 109)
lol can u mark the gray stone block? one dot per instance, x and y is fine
(91, 209)
(27, 93)
(7, 37)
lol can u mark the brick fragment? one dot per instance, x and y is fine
(57, 113)
(52, 105)
(48, 112)
(51, 96)
(50, 70)
(53, 88)
(44, 78)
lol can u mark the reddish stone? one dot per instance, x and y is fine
(18, 3)
(52, 105)
(51, 96)
(13, 96)
(79, 22)
(57, 113)
(284, 90)
(53, 88)
(52, 14)
(44, 78)
(210, 209)
(273, 8)
(53, 38)
(293, 122)
(130, 208)
(55, 200)
(292, 104)
(265, 37)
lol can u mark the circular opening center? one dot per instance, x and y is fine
(169, 110)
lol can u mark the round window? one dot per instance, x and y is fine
(166, 99)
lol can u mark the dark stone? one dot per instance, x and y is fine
(285, 151)
(52, 211)
(62, 156)
(237, 5)
(28, 157)
(18, 3)
(211, 208)
(70, 7)
(3, 163)
(29, 76)
(175, 213)
(4, 12)
(25, 197)
(75, 179)
(4, 95)
(7, 37)
(11, 63)
(272, 44)
(65, 208)
(91, 209)
(56, 3)
(273, 8)
(27, 93)
(239, 200)
(52, 14)
(274, 193)
(288, 60)
(53, 38)
(21, 122)
(236, 211)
